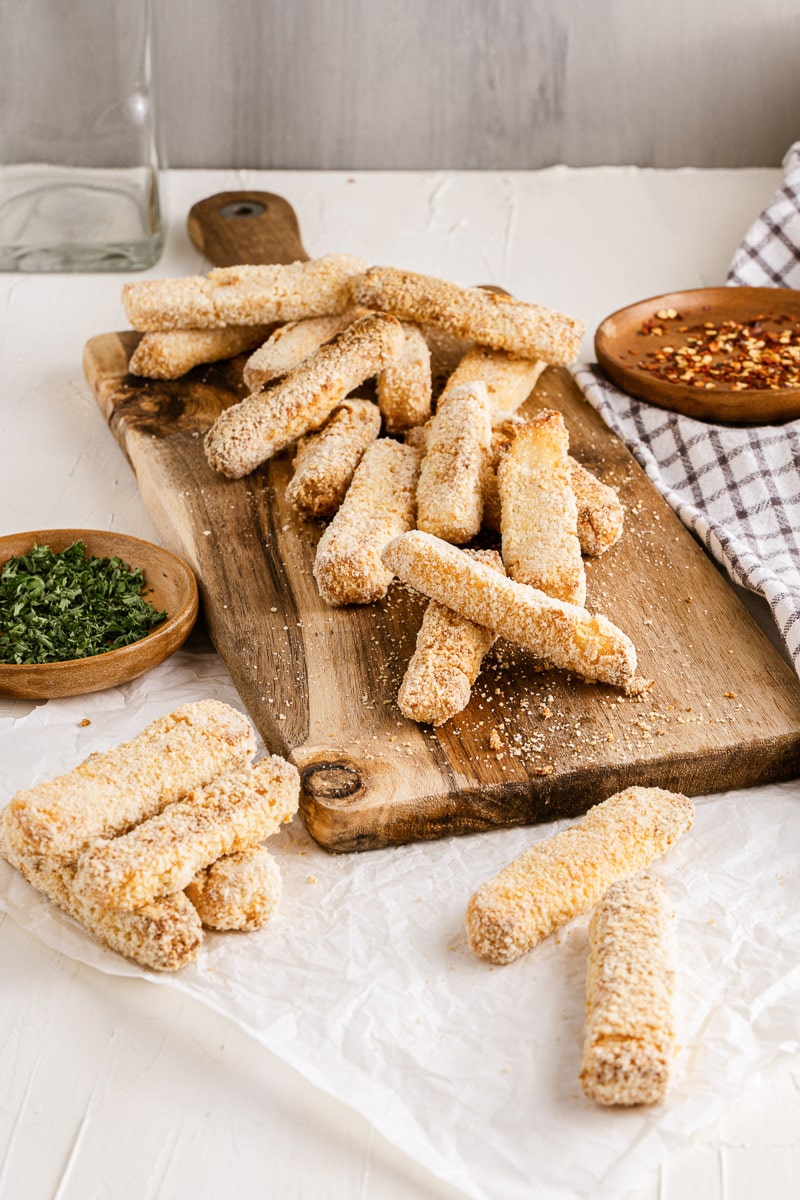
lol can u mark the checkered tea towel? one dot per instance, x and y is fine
(769, 256)
(737, 490)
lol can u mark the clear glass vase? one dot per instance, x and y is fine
(79, 156)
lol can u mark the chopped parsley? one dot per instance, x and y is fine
(61, 605)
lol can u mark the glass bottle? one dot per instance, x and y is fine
(79, 159)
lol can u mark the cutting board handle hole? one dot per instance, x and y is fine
(243, 208)
(331, 781)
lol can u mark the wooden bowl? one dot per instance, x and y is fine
(171, 586)
(620, 345)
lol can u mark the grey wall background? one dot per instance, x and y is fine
(478, 83)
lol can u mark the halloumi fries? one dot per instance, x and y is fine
(164, 853)
(379, 505)
(110, 792)
(325, 462)
(630, 1026)
(498, 321)
(243, 295)
(260, 426)
(164, 935)
(565, 635)
(600, 513)
(450, 649)
(451, 480)
(404, 387)
(508, 380)
(566, 874)
(290, 344)
(238, 891)
(538, 510)
(170, 354)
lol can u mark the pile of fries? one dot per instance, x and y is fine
(409, 480)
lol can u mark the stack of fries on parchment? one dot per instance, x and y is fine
(150, 842)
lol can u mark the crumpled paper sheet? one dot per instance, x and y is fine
(365, 983)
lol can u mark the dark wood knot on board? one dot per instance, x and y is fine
(331, 781)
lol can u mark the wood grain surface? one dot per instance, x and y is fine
(321, 683)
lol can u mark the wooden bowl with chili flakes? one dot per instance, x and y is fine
(726, 354)
(168, 585)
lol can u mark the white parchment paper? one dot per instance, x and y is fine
(364, 981)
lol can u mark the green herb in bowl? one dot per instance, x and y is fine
(57, 606)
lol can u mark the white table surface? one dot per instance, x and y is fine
(112, 1087)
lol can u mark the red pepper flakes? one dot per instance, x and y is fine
(761, 353)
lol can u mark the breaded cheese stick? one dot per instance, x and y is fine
(379, 505)
(163, 936)
(509, 380)
(566, 874)
(325, 462)
(451, 478)
(238, 891)
(600, 513)
(502, 437)
(164, 853)
(110, 792)
(404, 387)
(538, 511)
(630, 1028)
(260, 426)
(565, 635)
(289, 344)
(243, 295)
(170, 355)
(445, 664)
(527, 330)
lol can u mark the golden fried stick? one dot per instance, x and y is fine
(404, 387)
(325, 462)
(527, 330)
(566, 874)
(538, 511)
(448, 656)
(600, 513)
(238, 891)
(289, 344)
(630, 1028)
(243, 295)
(170, 355)
(502, 437)
(509, 380)
(110, 792)
(566, 636)
(260, 426)
(164, 853)
(379, 505)
(451, 479)
(164, 935)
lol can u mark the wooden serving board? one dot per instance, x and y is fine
(321, 683)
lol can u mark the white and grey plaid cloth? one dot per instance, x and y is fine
(736, 489)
